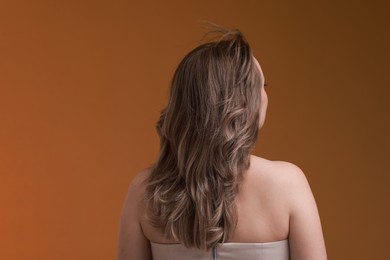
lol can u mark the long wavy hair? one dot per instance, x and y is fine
(207, 132)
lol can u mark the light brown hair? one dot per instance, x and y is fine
(207, 132)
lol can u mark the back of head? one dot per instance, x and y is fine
(207, 132)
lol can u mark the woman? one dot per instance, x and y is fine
(207, 197)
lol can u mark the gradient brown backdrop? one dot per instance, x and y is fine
(82, 84)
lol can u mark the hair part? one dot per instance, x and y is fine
(207, 132)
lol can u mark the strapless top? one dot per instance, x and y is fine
(278, 250)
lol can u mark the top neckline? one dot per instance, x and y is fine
(229, 243)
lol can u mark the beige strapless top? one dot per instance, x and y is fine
(278, 250)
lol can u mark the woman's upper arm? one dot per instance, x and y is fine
(305, 236)
(132, 244)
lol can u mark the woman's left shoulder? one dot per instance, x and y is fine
(132, 243)
(140, 178)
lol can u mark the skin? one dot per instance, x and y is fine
(263, 96)
(275, 202)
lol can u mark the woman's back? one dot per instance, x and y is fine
(274, 206)
(262, 205)
(262, 221)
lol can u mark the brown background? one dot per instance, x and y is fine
(82, 84)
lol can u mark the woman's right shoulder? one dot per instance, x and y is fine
(279, 172)
(285, 179)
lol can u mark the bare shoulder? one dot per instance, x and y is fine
(266, 193)
(140, 178)
(132, 243)
(284, 179)
(135, 193)
(290, 185)
(278, 172)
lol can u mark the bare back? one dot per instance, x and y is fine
(262, 206)
(275, 202)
